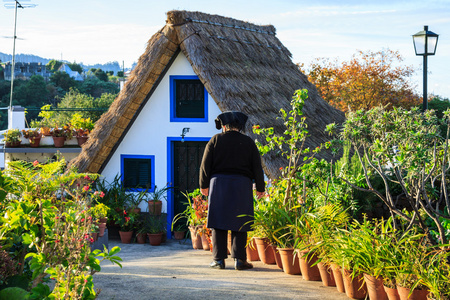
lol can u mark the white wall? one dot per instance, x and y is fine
(148, 135)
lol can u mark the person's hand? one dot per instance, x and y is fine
(259, 195)
(204, 192)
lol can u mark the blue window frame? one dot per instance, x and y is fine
(138, 172)
(188, 99)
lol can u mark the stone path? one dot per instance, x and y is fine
(176, 271)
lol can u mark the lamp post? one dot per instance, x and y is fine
(425, 43)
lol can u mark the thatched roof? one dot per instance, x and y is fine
(243, 66)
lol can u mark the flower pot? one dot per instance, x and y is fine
(179, 235)
(103, 220)
(81, 140)
(101, 228)
(94, 236)
(391, 293)
(58, 141)
(355, 288)
(416, 294)
(265, 251)
(13, 144)
(125, 236)
(195, 238)
(136, 210)
(289, 261)
(46, 131)
(140, 238)
(35, 141)
(252, 252)
(309, 271)
(375, 288)
(154, 207)
(326, 274)
(155, 239)
(277, 256)
(205, 242)
(337, 274)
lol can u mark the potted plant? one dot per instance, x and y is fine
(46, 114)
(33, 136)
(126, 223)
(12, 138)
(100, 212)
(81, 127)
(155, 226)
(141, 231)
(135, 199)
(155, 200)
(61, 134)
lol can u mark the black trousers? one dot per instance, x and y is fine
(220, 244)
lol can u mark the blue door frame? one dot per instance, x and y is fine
(170, 175)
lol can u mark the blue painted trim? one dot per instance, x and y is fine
(170, 171)
(152, 159)
(173, 117)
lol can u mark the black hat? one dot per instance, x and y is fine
(235, 118)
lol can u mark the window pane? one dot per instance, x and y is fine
(189, 98)
(137, 173)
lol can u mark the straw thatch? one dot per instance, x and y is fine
(243, 67)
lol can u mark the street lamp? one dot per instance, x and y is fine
(425, 43)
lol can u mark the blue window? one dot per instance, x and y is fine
(188, 99)
(138, 172)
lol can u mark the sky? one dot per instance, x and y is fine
(100, 31)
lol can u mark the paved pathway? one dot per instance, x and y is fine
(176, 271)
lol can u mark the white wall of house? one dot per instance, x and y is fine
(149, 133)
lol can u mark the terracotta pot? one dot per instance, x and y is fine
(375, 287)
(265, 251)
(195, 238)
(94, 236)
(58, 141)
(290, 262)
(392, 293)
(140, 238)
(136, 210)
(355, 288)
(252, 252)
(326, 274)
(416, 294)
(125, 236)
(81, 140)
(13, 145)
(101, 228)
(309, 271)
(154, 207)
(155, 239)
(337, 274)
(103, 220)
(205, 242)
(277, 256)
(35, 142)
(179, 235)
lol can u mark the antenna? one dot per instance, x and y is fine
(15, 6)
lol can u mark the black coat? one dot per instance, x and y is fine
(230, 165)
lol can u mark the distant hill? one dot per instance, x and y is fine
(27, 58)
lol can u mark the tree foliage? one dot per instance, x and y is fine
(53, 65)
(75, 67)
(368, 80)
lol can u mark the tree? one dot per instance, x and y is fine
(75, 99)
(75, 67)
(63, 80)
(53, 65)
(96, 87)
(368, 80)
(100, 74)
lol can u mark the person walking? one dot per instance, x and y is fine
(230, 165)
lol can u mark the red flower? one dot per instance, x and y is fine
(102, 194)
(127, 219)
(87, 177)
(124, 212)
(35, 163)
(86, 188)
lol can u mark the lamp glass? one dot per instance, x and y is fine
(419, 44)
(432, 42)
